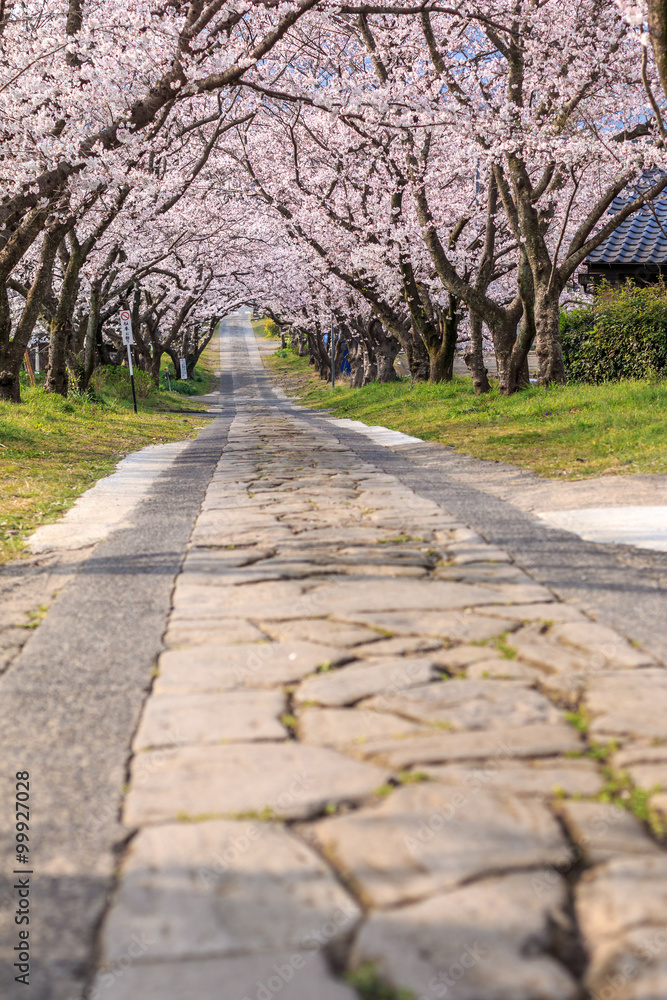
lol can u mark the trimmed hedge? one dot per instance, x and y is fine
(624, 335)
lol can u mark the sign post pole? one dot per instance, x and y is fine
(128, 340)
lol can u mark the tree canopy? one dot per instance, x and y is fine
(419, 171)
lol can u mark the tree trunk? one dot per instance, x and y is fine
(441, 363)
(10, 386)
(550, 366)
(526, 335)
(441, 351)
(174, 360)
(155, 365)
(12, 356)
(317, 354)
(57, 378)
(198, 349)
(370, 368)
(419, 362)
(504, 336)
(657, 29)
(474, 358)
(522, 345)
(385, 365)
(356, 358)
(90, 345)
(103, 350)
(386, 348)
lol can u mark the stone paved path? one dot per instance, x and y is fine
(375, 744)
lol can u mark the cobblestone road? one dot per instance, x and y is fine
(376, 751)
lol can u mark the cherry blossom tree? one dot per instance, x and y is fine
(408, 169)
(86, 91)
(543, 101)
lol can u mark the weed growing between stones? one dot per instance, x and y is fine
(35, 617)
(507, 651)
(370, 986)
(411, 777)
(579, 720)
(620, 790)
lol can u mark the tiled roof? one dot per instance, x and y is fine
(640, 239)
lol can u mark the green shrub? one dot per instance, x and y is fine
(114, 380)
(197, 385)
(624, 335)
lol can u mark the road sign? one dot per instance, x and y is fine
(184, 368)
(128, 340)
(126, 327)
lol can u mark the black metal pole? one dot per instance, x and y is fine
(129, 361)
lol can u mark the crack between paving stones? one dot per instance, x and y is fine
(94, 962)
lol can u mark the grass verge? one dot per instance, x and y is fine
(265, 328)
(571, 431)
(53, 449)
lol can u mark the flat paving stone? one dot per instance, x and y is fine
(496, 744)
(232, 602)
(396, 595)
(285, 779)
(646, 765)
(399, 646)
(382, 555)
(633, 753)
(457, 658)
(427, 837)
(517, 593)
(554, 612)
(542, 778)
(500, 668)
(652, 777)
(216, 562)
(350, 684)
(341, 727)
(222, 667)
(232, 888)
(601, 641)
(198, 633)
(493, 940)
(217, 533)
(469, 704)
(234, 578)
(621, 908)
(604, 831)
(212, 717)
(533, 645)
(621, 705)
(322, 631)
(292, 976)
(452, 627)
(485, 572)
